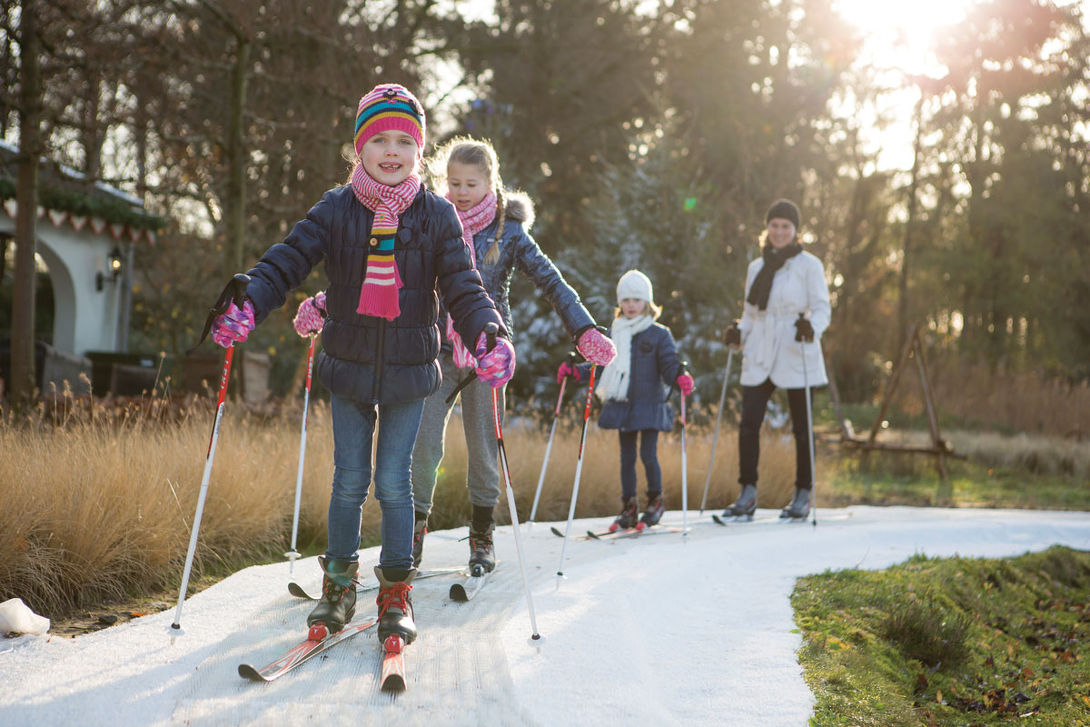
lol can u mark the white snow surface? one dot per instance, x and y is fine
(658, 630)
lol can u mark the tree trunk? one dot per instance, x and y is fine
(236, 180)
(26, 196)
(910, 223)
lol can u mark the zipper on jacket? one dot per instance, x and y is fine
(378, 360)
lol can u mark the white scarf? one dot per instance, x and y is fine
(615, 377)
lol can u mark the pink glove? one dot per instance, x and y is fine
(685, 383)
(233, 326)
(495, 367)
(310, 317)
(596, 347)
(566, 369)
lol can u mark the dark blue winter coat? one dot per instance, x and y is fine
(364, 358)
(655, 368)
(519, 250)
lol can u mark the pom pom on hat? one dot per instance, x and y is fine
(389, 107)
(636, 285)
(783, 209)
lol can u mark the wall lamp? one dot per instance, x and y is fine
(114, 263)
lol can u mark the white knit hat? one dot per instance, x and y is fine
(635, 284)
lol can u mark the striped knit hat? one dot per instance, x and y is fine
(389, 107)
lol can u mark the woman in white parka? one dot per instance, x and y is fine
(783, 283)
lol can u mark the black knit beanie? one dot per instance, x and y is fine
(783, 209)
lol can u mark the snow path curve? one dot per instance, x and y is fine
(655, 630)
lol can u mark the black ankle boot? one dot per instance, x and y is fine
(482, 553)
(337, 605)
(630, 510)
(395, 603)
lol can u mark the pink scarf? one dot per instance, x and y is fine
(381, 279)
(473, 221)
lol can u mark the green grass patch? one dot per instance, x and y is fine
(886, 478)
(951, 641)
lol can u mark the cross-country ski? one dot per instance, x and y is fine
(318, 640)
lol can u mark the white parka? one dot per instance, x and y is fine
(768, 336)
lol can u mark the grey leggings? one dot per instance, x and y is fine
(483, 477)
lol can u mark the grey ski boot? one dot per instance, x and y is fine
(799, 507)
(745, 505)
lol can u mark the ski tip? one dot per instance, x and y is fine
(458, 593)
(556, 532)
(594, 536)
(297, 590)
(248, 672)
(393, 683)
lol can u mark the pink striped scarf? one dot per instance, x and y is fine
(473, 221)
(381, 279)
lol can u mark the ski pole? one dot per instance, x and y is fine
(292, 554)
(684, 467)
(490, 330)
(810, 433)
(578, 474)
(718, 421)
(234, 291)
(549, 446)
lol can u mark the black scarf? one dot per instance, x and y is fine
(774, 260)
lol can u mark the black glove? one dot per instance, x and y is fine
(732, 336)
(803, 330)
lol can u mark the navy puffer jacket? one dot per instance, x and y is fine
(518, 249)
(655, 367)
(364, 358)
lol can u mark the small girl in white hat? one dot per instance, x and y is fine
(634, 389)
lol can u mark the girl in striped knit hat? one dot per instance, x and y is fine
(387, 242)
(496, 224)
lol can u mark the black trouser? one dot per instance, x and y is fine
(754, 404)
(650, 457)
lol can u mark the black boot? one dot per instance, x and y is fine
(630, 508)
(482, 554)
(395, 603)
(799, 507)
(745, 505)
(420, 529)
(337, 605)
(653, 513)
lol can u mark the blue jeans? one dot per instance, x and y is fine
(353, 430)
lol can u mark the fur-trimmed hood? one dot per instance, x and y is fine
(520, 208)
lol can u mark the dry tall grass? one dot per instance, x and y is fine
(1019, 402)
(97, 508)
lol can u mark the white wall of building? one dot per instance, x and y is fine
(85, 319)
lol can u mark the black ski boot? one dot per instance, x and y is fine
(630, 508)
(482, 553)
(337, 605)
(799, 507)
(745, 505)
(395, 603)
(420, 529)
(653, 513)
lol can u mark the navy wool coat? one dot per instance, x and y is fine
(364, 358)
(655, 367)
